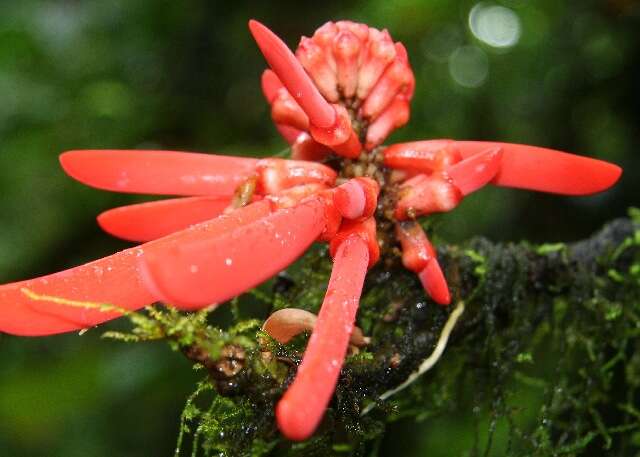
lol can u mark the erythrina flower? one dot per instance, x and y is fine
(242, 220)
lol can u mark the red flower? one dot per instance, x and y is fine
(245, 219)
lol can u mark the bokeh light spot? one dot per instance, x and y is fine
(469, 66)
(495, 25)
(438, 46)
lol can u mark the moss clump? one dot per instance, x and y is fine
(544, 361)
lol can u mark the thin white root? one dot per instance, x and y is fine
(427, 363)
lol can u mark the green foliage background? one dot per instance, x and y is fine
(185, 75)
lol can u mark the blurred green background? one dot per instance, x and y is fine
(185, 75)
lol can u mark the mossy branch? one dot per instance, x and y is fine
(547, 349)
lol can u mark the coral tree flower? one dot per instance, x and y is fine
(238, 221)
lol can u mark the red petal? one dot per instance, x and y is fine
(357, 198)
(435, 283)
(365, 229)
(346, 49)
(304, 147)
(277, 175)
(293, 76)
(286, 111)
(213, 268)
(427, 194)
(350, 199)
(314, 59)
(149, 221)
(291, 136)
(416, 248)
(302, 406)
(112, 280)
(116, 280)
(418, 255)
(340, 137)
(394, 116)
(379, 53)
(423, 156)
(475, 171)
(271, 84)
(546, 170)
(396, 77)
(158, 172)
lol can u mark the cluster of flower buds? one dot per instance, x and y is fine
(356, 72)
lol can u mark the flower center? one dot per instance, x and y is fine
(370, 164)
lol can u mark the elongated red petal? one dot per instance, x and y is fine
(211, 269)
(475, 171)
(346, 49)
(304, 147)
(271, 84)
(357, 198)
(158, 172)
(365, 229)
(350, 199)
(293, 76)
(427, 194)
(394, 116)
(418, 255)
(49, 304)
(422, 156)
(397, 76)
(340, 137)
(301, 408)
(434, 282)
(115, 280)
(416, 248)
(313, 59)
(546, 170)
(286, 111)
(379, 53)
(149, 221)
(280, 174)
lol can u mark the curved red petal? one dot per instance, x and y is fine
(304, 147)
(211, 269)
(422, 156)
(291, 135)
(426, 194)
(301, 408)
(350, 199)
(434, 282)
(340, 137)
(277, 174)
(158, 172)
(49, 304)
(346, 48)
(475, 171)
(287, 67)
(149, 221)
(357, 198)
(416, 247)
(394, 116)
(546, 170)
(271, 84)
(113, 280)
